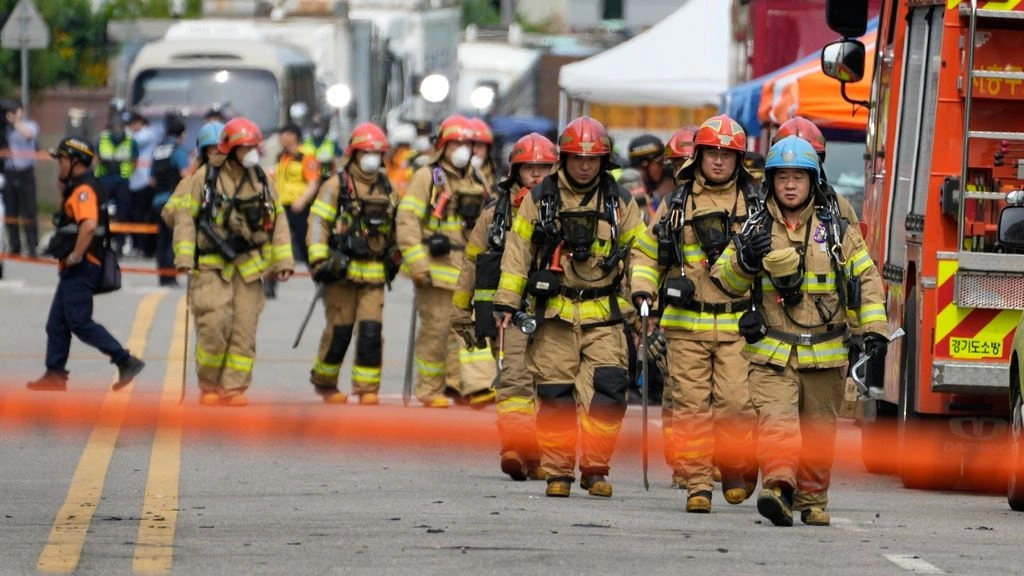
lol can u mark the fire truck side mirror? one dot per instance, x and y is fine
(847, 17)
(1011, 227)
(843, 60)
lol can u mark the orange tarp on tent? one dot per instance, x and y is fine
(806, 91)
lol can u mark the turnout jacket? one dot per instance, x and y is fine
(820, 285)
(517, 262)
(417, 223)
(328, 217)
(234, 184)
(714, 313)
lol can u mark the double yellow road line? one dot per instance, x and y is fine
(154, 545)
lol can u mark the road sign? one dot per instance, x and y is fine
(25, 28)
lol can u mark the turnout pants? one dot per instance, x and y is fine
(515, 400)
(796, 412)
(581, 381)
(71, 313)
(346, 307)
(441, 356)
(712, 417)
(226, 313)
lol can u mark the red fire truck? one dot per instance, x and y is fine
(945, 155)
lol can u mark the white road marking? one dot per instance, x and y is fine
(913, 563)
(847, 524)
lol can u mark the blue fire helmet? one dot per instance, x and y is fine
(209, 135)
(793, 152)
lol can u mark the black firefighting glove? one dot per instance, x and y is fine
(753, 248)
(875, 346)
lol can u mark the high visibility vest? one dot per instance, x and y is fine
(289, 180)
(115, 159)
(324, 154)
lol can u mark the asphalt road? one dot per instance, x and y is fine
(112, 483)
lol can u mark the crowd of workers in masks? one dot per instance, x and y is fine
(739, 277)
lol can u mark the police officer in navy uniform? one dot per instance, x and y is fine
(81, 224)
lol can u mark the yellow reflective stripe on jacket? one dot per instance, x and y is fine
(366, 374)
(462, 299)
(212, 260)
(589, 310)
(732, 277)
(318, 252)
(204, 358)
(414, 254)
(238, 363)
(484, 295)
(444, 275)
(324, 210)
(414, 205)
(647, 244)
(282, 252)
(254, 267)
(646, 274)
(512, 282)
(768, 351)
(472, 251)
(186, 202)
(325, 369)
(674, 318)
(184, 248)
(693, 254)
(858, 263)
(628, 236)
(869, 313)
(814, 283)
(516, 405)
(829, 352)
(366, 271)
(523, 228)
(449, 226)
(428, 368)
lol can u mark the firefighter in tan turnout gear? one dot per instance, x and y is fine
(233, 231)
(351, 243)
(435, 217)
(712, 419)
(809, 274)
(530, 162)
(568, 250)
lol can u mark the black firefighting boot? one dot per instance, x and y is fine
(699, 502)
(513, 465)
(776, 504)
(127, 371)
(50, 381)
(596, 485)
(559, 487)
(815, 516)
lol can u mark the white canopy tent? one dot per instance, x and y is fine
(682, 61)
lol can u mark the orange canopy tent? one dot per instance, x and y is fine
(802, 89)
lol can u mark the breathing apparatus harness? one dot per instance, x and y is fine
(257, 212)
(575, 231)
(467, 206)
(713, 235)
(488, 266)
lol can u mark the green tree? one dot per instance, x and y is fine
(78, 51)
(480, 12)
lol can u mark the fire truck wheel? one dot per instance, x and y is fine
(1015, 478)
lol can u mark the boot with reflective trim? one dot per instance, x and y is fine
(699, 502)
(559, 487)
(481, 398)
(436, 402)
(776, 504)
(815, 516)
(596, 485)
(513, 465)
